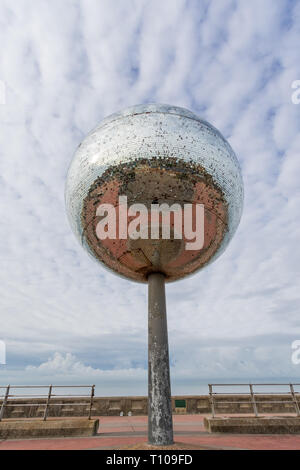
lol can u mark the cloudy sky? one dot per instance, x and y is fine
(65, 65)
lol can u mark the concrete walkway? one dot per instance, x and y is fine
(116, 432)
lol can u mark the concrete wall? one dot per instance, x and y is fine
(252, 425)
(72, 427)
(113, 406)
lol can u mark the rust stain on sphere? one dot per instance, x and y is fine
(155, 154)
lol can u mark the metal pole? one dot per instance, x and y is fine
(160, 424)
(211, 400)
(253, 400)
(91, 401)
(294, 398)
(4, 402)
(47, 403)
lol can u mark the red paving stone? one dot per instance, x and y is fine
(116, 432)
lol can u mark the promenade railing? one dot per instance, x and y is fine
(10, 394)
(217, 399)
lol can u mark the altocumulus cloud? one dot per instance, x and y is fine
(65, 66)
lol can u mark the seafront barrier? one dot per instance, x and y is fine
(137, 405)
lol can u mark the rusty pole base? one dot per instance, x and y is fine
(160, 423)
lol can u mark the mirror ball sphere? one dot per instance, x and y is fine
(154, 154)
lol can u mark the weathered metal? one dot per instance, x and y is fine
(160, 425)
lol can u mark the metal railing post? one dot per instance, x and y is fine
(91, 402)
(253, 400)
(47, 403)
(4, 402)
(211, 400)
(294, 398)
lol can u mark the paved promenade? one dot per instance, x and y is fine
(117, 432)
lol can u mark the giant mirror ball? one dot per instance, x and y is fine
(154, 154)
